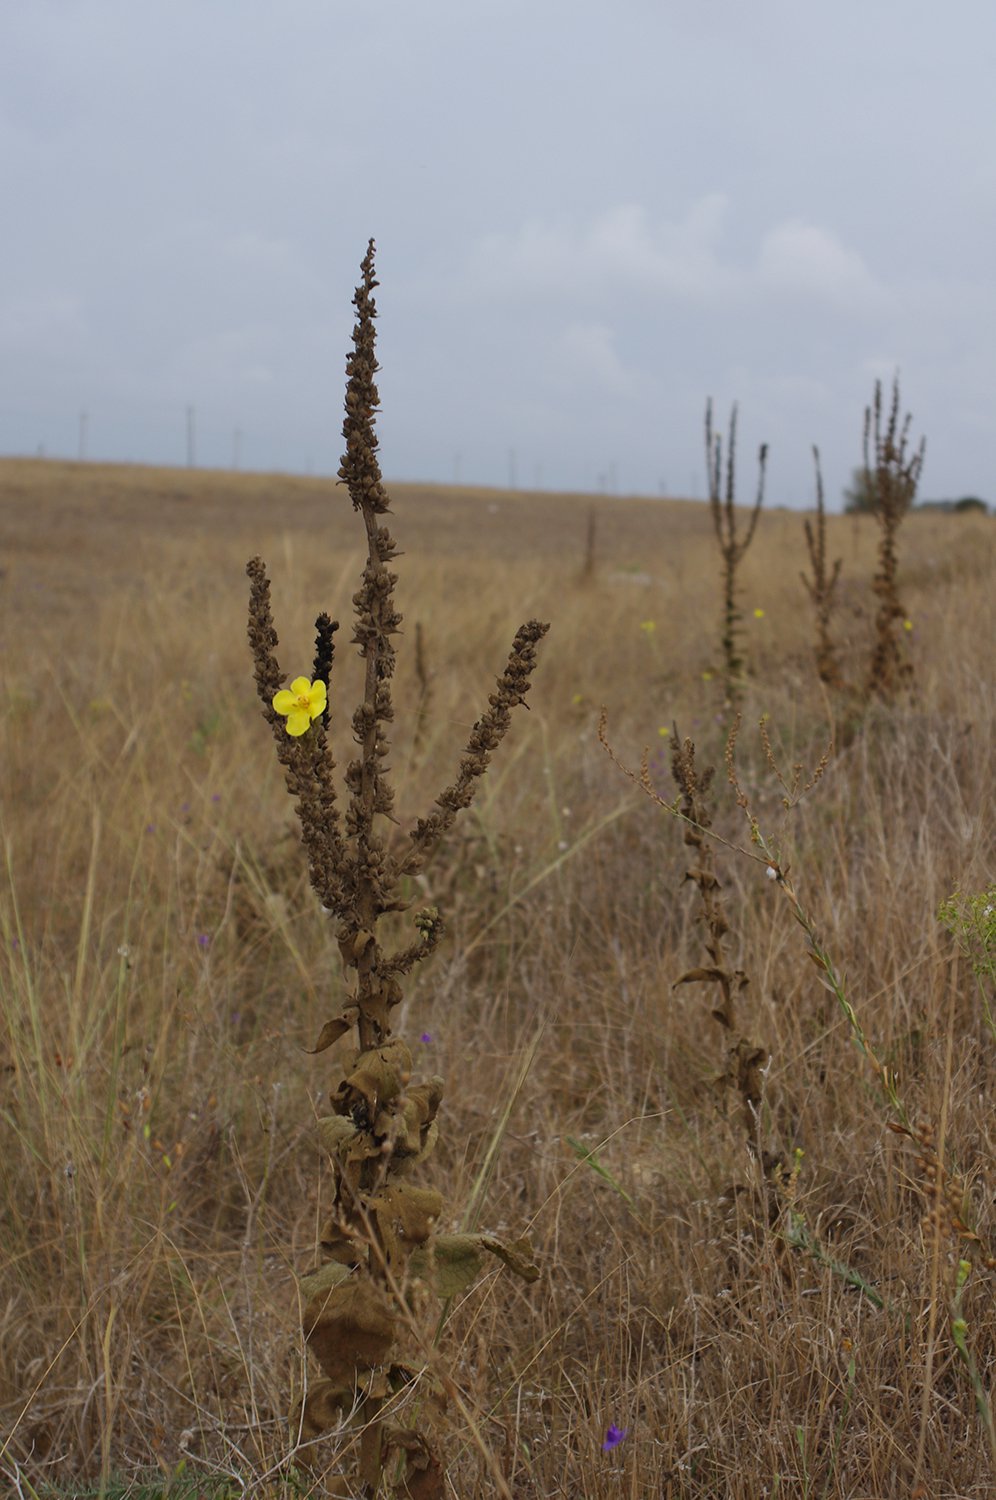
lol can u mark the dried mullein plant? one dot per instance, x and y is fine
(944, 1190)
(745, 1061)
(821, 586)
(891, 482)
(379, 1237)
(733, 544)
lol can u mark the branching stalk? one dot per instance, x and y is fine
(732, 545)
(380, 1231)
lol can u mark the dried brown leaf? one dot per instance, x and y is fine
(350, 1327)
(423, 1479)
(331, 1032)
(697, 976)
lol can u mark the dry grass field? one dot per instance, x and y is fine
(769, 1308)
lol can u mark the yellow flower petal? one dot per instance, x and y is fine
(284, 701)
(319, 698)
(301, 686)
(298, 722)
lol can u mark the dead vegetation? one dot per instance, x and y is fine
(818, 1323)
(359, 1310)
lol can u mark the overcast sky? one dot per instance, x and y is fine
(590, 216)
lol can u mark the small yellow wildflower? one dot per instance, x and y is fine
(648, 626)
(907, 624)
(706, 676)
(577, 699)
(304, 701)
(759, 614)
(663, 731)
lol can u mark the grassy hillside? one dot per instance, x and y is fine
(765, 1300)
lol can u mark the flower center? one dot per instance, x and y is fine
(303, 701)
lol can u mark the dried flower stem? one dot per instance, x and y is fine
(732, 546)
(424, 680)
(893, 483)
(746, 1060)
(821, 586)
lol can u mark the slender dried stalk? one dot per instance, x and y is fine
(590, 540)
(893, 482)
(732, 545)
(821, 586)
(746, 1060)
(424, 679)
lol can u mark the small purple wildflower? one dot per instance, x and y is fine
(203, 940)
(150, 827)
(613, 1437)
(215, 796)
(184, 807)
(426, 1037)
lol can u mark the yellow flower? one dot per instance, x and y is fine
(648, 626)
(907, 624)
(759, 614)
(663, 731)
(304, 701)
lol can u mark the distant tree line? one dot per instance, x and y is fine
(860, 498)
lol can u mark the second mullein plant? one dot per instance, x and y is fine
(379, 1240)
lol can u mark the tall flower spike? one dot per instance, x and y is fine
(359, 468)
(376, 618)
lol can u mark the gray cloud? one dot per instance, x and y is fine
(589, 218)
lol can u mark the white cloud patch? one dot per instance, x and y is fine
(621, 248)
(805, 260)
(625, 250)
(586, 354)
